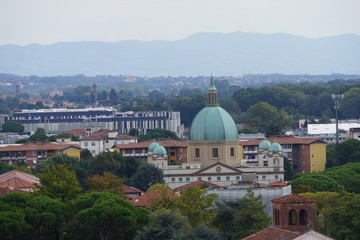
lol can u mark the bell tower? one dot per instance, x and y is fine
(294, 212)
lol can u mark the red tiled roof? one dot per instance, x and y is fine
(129, 189)
(293, 198)
(282, 140)
(273, 233)
(125, 137)
(165, 143)
(278, 183)
(76, 131)
(17, 180)
(147, 198)
(196, 184)
(38, 146)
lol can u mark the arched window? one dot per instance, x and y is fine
(303, 217)
(292, 217)
(276, 216)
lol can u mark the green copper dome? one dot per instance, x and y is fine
(265, 144)
(213, 124)
(275, 147)
(152, 146)
(159, 150)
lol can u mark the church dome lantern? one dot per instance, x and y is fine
(213, 123)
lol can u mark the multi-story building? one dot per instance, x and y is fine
(177, 149)
(306, 154)
(354, 133)
(33, 152)
(104, 140)
(60, 120)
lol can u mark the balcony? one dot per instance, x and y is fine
(250, 152)
(135, 154)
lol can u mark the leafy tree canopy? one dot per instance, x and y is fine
(12, 127)
(108, 215)
(147, 175)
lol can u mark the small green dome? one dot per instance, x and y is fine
(160, 150)
(265, 144)
(275, 147)
(152, 146)
(213, 124)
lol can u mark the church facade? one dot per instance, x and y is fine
(214, 153)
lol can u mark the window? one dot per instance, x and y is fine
(92, 143)
(199, 178)
(238, 178)
(263, 177)
(209, 178)
(172, 153)
(276, 176)
(232, 152)
(180, 179)
(173, 179)
(227, 178)
(93, 151)
(303, 217)
(218, 178)
(266, 163)
(292, 217)
(188, 179)
(215, 152)
(197, 152)
(107, 141)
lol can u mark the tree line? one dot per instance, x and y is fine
(83, 199)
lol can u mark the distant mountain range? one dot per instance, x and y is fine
(222, 54)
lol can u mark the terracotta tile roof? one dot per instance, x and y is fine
(293, 198)
(165, 143)
(282, 140)
(17, 180)
(273, 233)
(278, 183)
(125, 137)
(96, 136)
(195, 184)
(148, 197)
(80, 131)
(38, 146)
(129, 189)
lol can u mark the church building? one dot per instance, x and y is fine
(213, 153)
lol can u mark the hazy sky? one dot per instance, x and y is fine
(49, 21)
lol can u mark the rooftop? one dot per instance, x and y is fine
(282, 140)
(36, 146)
(196, 184)
(293, 198)
(163, 142)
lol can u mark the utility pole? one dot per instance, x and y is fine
(336, 98)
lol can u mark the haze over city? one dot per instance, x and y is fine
(45, 22)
